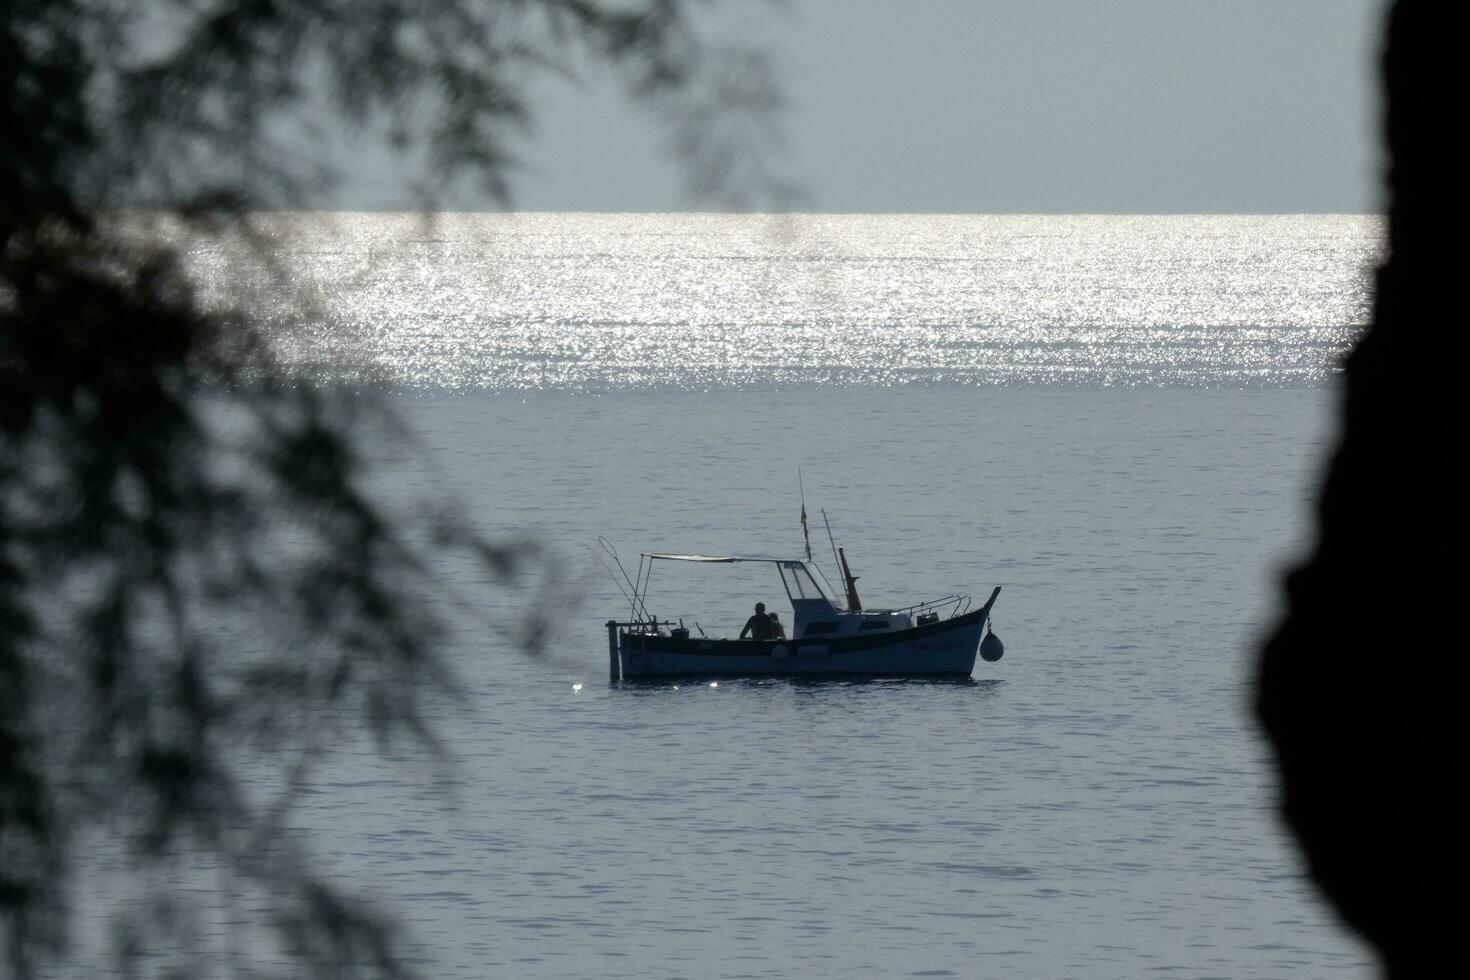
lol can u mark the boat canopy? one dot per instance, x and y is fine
(795, 574)
(722, 558)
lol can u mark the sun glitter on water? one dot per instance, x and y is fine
(603, 302)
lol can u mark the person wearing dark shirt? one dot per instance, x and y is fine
(759, 625)
(778, 632)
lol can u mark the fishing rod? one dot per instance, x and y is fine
(635, 604)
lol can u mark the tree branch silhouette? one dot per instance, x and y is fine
(194, 577)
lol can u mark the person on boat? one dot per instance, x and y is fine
(759, 625)
(778, 632)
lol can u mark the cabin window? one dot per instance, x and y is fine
(799, 581)
(820, 628)
(874, 624)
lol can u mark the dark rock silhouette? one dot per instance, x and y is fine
(1362, 687)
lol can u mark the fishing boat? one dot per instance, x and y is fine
(935, 638)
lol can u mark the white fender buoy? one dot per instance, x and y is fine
(779, 651)
(991, 649)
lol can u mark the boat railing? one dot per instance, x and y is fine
(645, 627)
(959, 604)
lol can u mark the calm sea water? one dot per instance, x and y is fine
(1118, 420)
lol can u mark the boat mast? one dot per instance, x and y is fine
(854, 604)
(849, 580)
(832, 541)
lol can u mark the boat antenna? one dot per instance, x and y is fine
(804, 536)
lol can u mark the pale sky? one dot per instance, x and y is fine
(1010, 106)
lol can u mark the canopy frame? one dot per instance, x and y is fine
(793, 567)
(720, 559)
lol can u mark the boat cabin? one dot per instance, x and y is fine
(817, 615)
(814, 613)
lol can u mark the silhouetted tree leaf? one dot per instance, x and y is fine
(193, 574)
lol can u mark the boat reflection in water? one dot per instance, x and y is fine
(936, 638)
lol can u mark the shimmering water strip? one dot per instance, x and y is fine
(614, 302)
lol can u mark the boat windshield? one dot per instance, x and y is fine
(799, 581)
